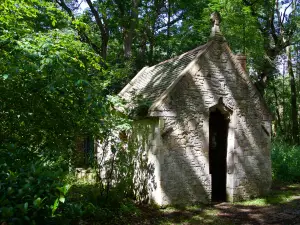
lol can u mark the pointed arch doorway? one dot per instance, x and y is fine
(218, 135)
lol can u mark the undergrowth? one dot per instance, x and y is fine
(87, 201)
(285, 162)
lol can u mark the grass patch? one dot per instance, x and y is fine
(197, 214)
(279, 195)
(253, 202)
(225, 214)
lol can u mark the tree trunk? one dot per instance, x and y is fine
(276, 34)
(129, 32)
(168, 28)
(298, 64)
(283, 96)
(102, 27)
(294, 111)
(278, 124)
(151, 51)
(81, 32)
(104, 45)
(128, 37)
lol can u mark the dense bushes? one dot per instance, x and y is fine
(86, 201)
(31, 186)
(37, 188)
(52, 93)
(285, 162)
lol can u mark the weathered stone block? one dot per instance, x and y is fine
(205, 79)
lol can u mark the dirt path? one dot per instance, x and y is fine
(282, 214)
(282, 206)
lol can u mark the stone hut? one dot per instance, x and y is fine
(210, 127)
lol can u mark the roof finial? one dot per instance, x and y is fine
(216, 20)
(215, 17)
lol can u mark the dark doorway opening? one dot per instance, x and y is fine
(218, 133)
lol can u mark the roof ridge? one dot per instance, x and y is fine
(151, 82)
(181, 55)
(132, 81)
(178, 78)
(244, 75)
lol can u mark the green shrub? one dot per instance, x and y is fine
(88, 202)
(285, 162)
(31, 187)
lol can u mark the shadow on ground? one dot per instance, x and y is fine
(281, 206)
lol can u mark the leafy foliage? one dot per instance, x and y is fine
(86, 202)
(140, 108)
(49, 74)
(31, 186)
(285, 162)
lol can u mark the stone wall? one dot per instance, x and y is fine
(131, 167)
(170, 151)
(183, 151)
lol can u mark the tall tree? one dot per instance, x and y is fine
(77, 25)
(49, 80)
(294, 110)
(277, 28)
(102, 24)
(128, 12)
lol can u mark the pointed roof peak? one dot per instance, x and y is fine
(215, 18)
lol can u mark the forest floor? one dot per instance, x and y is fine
(281, 206)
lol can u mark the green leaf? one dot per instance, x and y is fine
(63, 190)
(55, 206)
(26, 206)
(4, 76)
(62, 199)
(37, 202)
(53, 23)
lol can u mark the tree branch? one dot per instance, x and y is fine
(83, 36)
(66, 8)
(284, 13)
(102, 27)
(97, 17)
(272, 26)
(171, 22)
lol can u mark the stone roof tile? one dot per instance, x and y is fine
(151, 82)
